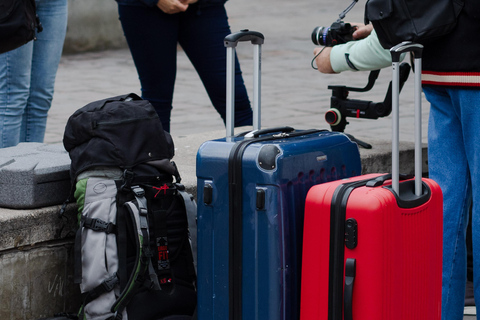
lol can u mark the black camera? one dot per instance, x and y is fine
(339, 32)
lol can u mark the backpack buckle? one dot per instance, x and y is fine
(99, 225)
(138, 191)
(127, 179)
(109, 284)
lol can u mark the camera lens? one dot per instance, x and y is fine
(318, 35)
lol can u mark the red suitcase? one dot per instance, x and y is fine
(372, 245)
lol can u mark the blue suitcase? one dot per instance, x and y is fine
(251, 198)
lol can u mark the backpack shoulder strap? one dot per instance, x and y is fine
(138, 215)
(144, 223)
(191, 208)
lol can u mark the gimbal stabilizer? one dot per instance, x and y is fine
(341, 107)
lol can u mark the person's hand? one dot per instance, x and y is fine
(173, 6)
(362, 31)
(323, 59)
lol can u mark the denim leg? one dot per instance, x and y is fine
(27, 77)
(469, 101)
(453, 150)
(47, 50)
(15, 71)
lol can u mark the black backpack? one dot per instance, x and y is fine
(18, 23)
(137, 225)
(396, 21)
(121, 131)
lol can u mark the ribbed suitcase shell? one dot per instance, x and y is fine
(272, 236)
(398, 254)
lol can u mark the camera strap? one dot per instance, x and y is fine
(313, 60)
(344, 12)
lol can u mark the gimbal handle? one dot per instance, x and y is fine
(341, 107)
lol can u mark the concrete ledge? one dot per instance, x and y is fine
(379, 158)
(36, 247)
(24, 229)
(92, 26)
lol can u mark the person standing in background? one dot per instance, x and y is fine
(153, 28)
(27, 78)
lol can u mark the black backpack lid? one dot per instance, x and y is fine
(121, 131)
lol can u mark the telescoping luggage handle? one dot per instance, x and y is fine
(396, 51)
(230, 42)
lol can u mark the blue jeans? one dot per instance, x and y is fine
(152, 37)
(454, 163)
(27, 78)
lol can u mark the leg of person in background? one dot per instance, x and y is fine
(152, 38)
(47, 51)
(201, 35)
(15, 71)
(469, 102)
(453, 147)
(27, 77)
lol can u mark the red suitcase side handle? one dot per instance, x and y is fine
(350, 266)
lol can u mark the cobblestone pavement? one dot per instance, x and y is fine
(292, 92)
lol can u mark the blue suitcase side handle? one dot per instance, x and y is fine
(244, 35)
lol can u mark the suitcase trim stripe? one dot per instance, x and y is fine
(236, 210)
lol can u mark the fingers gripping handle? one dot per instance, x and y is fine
(396, 51)
(230, 42)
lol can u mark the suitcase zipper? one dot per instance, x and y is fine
(96, 124)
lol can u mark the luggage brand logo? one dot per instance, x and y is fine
(322, 158)
(162, 247)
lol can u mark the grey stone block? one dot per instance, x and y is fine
(34, 175)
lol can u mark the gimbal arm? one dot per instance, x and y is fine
(341, 107)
